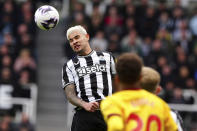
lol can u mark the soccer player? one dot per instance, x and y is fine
(150, 82)
(87, 79)
(132, 108)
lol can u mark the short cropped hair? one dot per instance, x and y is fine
(150, 79)
(129, 66)
(77, 27)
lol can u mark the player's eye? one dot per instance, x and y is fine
(71, 40)
(77, 37)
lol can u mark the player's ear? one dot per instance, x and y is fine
(88, 36)
(158, 89)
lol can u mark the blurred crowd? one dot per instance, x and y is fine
(17, 58)
(164, 36)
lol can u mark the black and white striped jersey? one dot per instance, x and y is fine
(177, 118)
(92, 75)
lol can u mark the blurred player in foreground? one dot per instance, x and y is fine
(150, 82)
(132, 108)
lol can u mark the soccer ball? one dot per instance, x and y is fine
(46, 17)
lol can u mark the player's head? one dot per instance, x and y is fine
(129, 66)
(78, 38)
(150, 80)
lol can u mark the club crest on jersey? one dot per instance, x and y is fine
(81, 71)
(101, 57)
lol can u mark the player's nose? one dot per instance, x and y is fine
(74, 41)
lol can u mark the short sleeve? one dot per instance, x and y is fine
(112, 115)
(67, 76)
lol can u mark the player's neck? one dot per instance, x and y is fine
(130, 87)
(86, 51)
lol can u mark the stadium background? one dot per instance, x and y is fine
(162, 32)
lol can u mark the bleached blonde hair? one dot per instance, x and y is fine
(74, 28)
(150, 79)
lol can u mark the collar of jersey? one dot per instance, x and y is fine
(87, 54)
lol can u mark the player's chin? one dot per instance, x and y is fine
(78, 51)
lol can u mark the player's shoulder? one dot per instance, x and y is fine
(154, 97)
(110, 99)
(104, 53)
(69, 62)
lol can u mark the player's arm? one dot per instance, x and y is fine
(70, 91)
(112, 116)
(73, 99)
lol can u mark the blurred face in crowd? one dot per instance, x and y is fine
(6, 60)
(79, 41)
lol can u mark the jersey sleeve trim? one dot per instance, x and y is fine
(110, 115)
(68, 84)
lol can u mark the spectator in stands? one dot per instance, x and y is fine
(131, 43)
(177, 96)
(6, 124)
(128, 26)
(24, 60)
(161, 8)
(146, 46)
(155, 53)
(99, 43)
(148, 24)
(167, 74)
(22, 29)
(181, 58)
(6, 61)
(96, 22)
(165, 22)
(129, 11)
(168, 91)
(27, 11)
(161, 62)
(191, 83)
(182, 76)
(95, 6)
(25, 41)
(4, 51)
(25, 123)
(182, 36)
(113, 21)
(6, 76)
(177, 17)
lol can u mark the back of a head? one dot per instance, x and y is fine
(150, 79)
(129, 66)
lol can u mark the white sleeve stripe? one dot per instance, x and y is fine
(68, 84)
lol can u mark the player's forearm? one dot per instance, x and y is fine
(72, 97)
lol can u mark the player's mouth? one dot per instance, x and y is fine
(76, 47)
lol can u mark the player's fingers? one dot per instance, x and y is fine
(96, 104)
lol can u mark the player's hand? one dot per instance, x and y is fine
(91, 107)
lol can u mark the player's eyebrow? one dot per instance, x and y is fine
(76, 36)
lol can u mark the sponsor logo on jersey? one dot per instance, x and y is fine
(81, 71)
